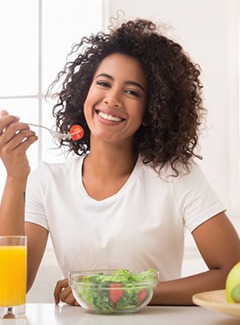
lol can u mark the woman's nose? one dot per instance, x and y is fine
(112, 100)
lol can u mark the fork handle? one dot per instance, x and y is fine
(38, 125)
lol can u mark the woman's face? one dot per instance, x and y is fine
(116, 101)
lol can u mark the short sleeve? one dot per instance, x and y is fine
(196, 199)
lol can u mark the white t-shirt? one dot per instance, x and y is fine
(139, 227)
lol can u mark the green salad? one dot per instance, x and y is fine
(120, 290)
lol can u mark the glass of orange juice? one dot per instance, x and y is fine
(13, 276)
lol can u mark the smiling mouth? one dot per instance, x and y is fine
(109, 117)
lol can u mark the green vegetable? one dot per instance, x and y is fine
(121, 290)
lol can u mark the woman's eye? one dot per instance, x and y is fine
(103, 83)
(132, 92)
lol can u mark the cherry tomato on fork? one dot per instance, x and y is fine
(79, 129)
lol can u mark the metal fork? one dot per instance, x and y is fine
(54, 133)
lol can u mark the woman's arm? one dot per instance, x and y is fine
(15, 139)
(37, 239)
(219, 246)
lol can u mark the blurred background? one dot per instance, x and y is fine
(37, 35)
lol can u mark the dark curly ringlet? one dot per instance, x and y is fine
(174, 111)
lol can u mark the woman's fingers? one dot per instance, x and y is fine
(6, 120)
(60, 285)
(63, 292)
(15, 135)
(15, 139)
(3, 113)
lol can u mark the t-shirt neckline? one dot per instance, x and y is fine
(86, 196)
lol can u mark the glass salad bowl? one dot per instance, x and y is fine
(113, 291)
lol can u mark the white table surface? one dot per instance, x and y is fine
(50, 314)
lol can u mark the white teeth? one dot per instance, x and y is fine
(109, 117)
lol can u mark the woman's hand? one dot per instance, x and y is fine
(63, 292)
(15, 139)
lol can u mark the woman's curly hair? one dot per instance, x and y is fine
(174, 105)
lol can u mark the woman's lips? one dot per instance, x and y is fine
(109, 117)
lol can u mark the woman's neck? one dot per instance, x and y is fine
(106, 171)
(109, 164)
(110, 160)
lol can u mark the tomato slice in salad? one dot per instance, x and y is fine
(115, 293)
(79, 129)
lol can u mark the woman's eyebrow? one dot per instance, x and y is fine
(129, 82)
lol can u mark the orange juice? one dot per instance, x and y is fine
(13, 275)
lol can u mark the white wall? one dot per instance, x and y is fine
(207, 29)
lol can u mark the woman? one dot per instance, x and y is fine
(134, 186)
